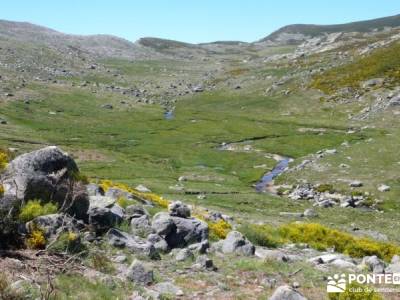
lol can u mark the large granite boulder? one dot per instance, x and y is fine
(48, 174)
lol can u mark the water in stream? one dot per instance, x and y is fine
(268, 177)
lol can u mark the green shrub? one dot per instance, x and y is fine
(34, 208)
(322, 188)
(262, 235)
(69, 242)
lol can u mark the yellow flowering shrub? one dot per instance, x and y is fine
(3, 160)
(156, 199)
(1, 190)
(321, 237)
(36, 239)
(219, 229)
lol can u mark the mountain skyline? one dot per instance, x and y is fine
(197, 23)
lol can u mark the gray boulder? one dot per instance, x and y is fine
(179, 209)
(204, 262)
(135, 211)
(100, 201)
(163, 224)
(48, 174)
(116, 193)
(94, 190)
(374, 264)
(286, 292)
(187, 231)
(141, 225)
(139, 273)
(158, 242)
(201, 247)
(135, 244)
(235, 242)
(184, 254)
(102, 219)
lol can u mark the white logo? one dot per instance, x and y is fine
(336, 284)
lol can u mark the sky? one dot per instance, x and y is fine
(190, 20)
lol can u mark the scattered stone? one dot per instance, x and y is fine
(356, 183)
(52, 224)
(163, 224)
(374, 264)
(310, 213)
(141, 225)
(107, 106)
(235, 242)
(141, 188)
(384, 188)
(184, 254)
(102, 219)
(120, 259)
(286, 292)
(94, 190)
(187, 231)
(135, 244)
(271, 254)
(203, 262)
(179, 209)
(139, 273)
(168, 288)
(158, 242)
(201, 247)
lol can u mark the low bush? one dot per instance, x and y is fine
(69, 242)
(3, 160)
(1, 190)
(34, 208)
(218, 230)
(262, 235)
(318, 237)
(322, 188)
(36, 240)
(321, 238)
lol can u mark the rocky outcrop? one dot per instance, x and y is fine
(48, 174)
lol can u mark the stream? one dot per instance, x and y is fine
(268, 177)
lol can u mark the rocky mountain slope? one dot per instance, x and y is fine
(297, 33)
(225, 170)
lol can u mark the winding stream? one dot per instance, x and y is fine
(268, 177)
